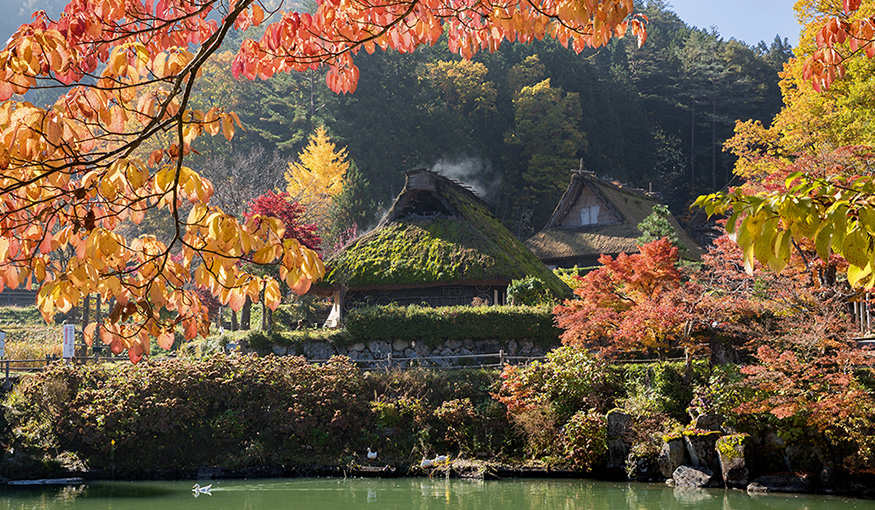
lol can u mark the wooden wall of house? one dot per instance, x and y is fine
(585, 200)
(449, 295)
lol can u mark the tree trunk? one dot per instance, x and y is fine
(688, 367)
(234, 325)
(265, 320)
(246, 314)
(714, 145)
(693, 150)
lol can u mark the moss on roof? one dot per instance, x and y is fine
(467, 246)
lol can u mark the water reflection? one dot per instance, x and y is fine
(404, 494)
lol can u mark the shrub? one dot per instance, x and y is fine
(542, 398)
(570, 380)
(661, 388)
(136, 418)
(436, 325)
(529, 291)
(585, 439)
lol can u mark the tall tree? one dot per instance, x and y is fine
(318, 174)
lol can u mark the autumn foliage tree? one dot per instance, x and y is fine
(125, 71)
(281, 206)
(810, 173)
(318, 175)
(632, 303)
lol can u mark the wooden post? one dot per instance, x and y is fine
(389, 361)
(501, 358)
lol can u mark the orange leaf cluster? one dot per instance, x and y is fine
(839, 34)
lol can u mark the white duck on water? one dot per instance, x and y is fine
(197, 490)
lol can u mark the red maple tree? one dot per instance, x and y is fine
(280, 205)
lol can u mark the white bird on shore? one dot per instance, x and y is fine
(372, 455)
(426, 463)
(197, 490)
(440, 459)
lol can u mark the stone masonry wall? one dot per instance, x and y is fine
(416, 353)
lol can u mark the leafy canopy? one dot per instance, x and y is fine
(810, 179)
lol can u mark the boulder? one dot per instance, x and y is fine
(379, 348)
(780, 482)
(422, 349)
(318, 350)
(701, 447)
(400, 345)
(511, 348)
(280, 350)
(619, 423)
(672, 456)
(693, 476)
(803, 458)
(641, 468)
(708, 421)
(732, 453)
(453, 344)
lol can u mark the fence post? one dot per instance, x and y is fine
(389, 361)
(501, 358)
(7, 373)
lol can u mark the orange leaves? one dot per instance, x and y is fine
(339, 29)
(826, 63)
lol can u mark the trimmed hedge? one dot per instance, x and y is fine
(436, 325)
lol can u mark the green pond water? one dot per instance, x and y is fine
(403, 494)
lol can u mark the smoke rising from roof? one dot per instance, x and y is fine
(475, 173)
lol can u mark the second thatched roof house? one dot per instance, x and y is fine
(439, 244)
(595, 217)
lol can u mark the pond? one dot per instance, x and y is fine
(404, 494)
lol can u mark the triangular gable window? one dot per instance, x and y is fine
(588, 209)
(589, 215)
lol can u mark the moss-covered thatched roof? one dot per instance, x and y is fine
(437, 233)
(626, 207)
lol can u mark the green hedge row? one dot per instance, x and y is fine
(435, 325)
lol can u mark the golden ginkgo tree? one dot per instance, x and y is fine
(318, 174)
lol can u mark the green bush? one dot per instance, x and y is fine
(181, 414)
(661, 386)
(436, 325)
(529, 291)
(586, 439)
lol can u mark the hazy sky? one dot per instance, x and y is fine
(751, 21)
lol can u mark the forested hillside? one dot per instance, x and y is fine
(512, 123)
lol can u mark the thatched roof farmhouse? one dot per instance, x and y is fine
(596, 217)
(438, 244)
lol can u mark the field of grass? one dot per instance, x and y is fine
(28, 336)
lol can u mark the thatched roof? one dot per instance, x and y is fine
(436, 233)
(567, 239)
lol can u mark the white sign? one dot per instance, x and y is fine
(69, 339)
(2, 343)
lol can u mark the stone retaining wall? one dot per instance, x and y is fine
(416, 353)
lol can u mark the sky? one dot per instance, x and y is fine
(750, 21)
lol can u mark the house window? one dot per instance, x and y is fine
(589, 215)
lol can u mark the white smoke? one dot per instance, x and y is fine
(474, 173)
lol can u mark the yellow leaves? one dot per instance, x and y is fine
(319, 174)
(272, 295)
